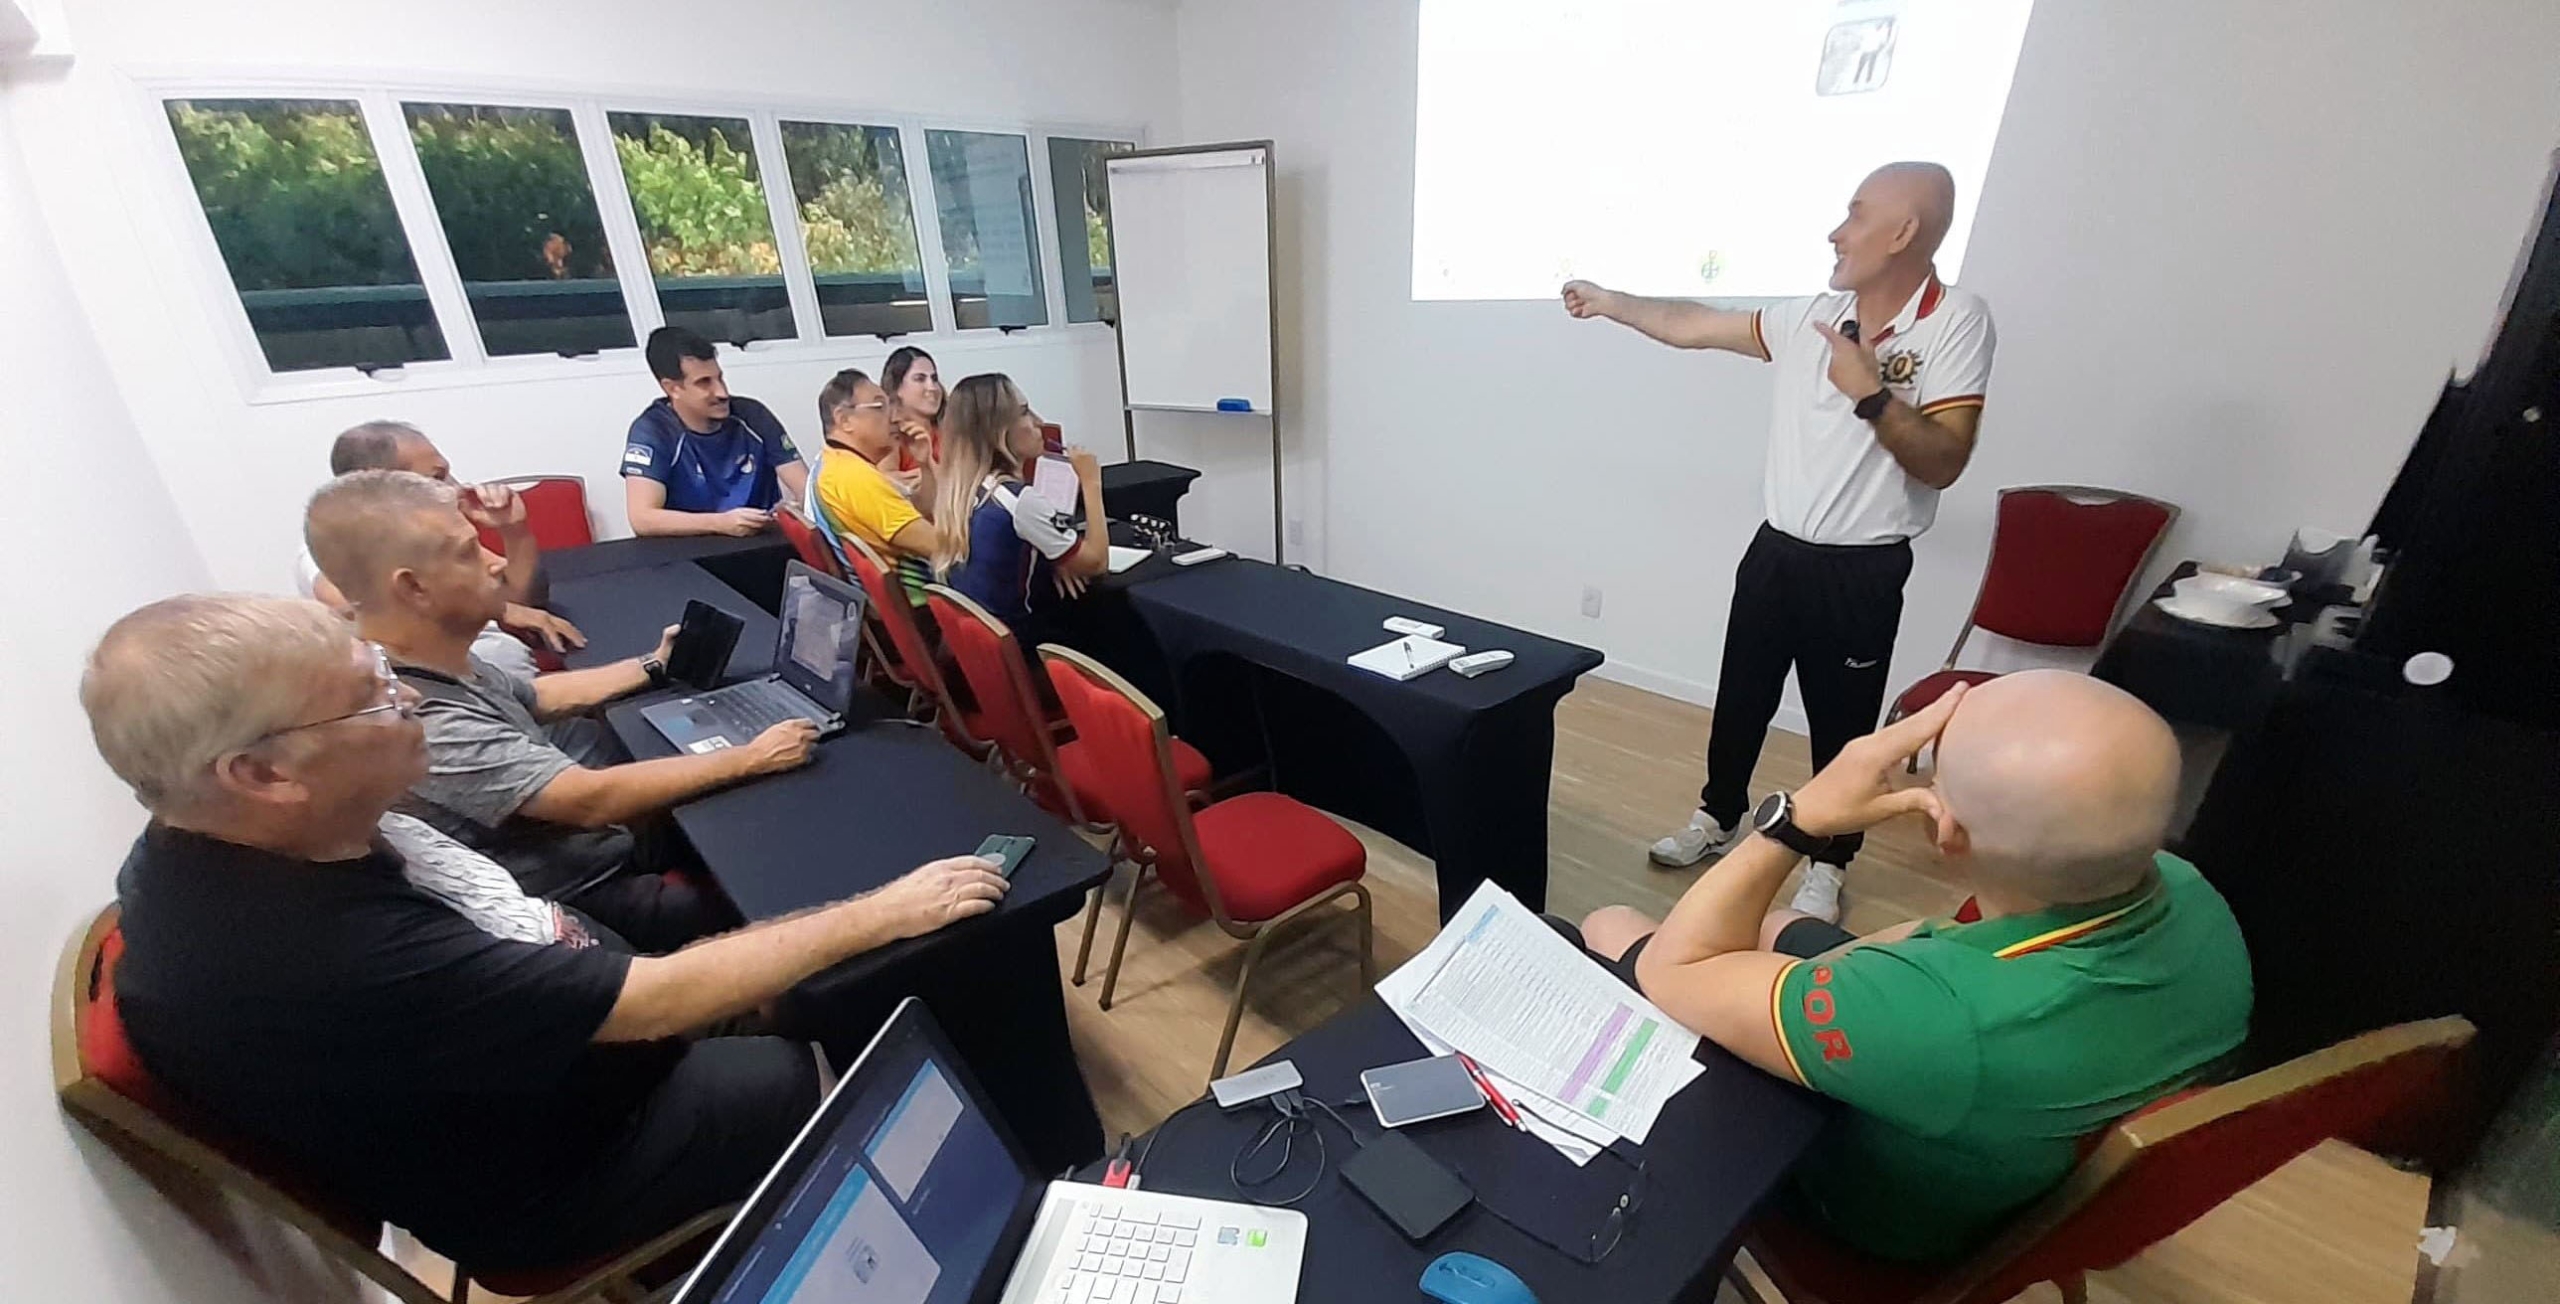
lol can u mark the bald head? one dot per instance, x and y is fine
(363, 526)
(1900, 215)
(2062, 784)
(1925, 193)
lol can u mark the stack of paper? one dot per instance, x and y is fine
(1586, 1058)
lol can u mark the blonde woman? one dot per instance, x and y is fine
(994, 540)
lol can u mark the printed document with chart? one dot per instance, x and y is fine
(1539, 1014)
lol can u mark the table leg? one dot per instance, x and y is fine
(1488, 817)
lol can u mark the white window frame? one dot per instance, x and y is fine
(381, 99)
(937, 284)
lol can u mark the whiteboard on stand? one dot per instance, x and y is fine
(1191, 263)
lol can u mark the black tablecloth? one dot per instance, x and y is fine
(623, 613)
(1251, 661)
(1721, 1147)
(2201, 674)
(752, 565)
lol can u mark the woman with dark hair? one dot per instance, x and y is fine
(1005, 547)
(915, 391)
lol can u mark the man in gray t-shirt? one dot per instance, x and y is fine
(517, 768)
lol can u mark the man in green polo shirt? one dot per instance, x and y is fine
(2102, 975)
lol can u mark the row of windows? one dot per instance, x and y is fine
(328, 272)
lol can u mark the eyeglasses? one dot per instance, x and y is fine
(400, 703)
(1613, 1228)
(1622, 1215)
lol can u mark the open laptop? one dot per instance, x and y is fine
(906, 1189)
(813, 678)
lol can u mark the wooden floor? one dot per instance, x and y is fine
(2335, 1227)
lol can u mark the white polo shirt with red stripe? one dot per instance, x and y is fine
(1830, 480)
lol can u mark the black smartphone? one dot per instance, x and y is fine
(704, 640)
(1008, 851)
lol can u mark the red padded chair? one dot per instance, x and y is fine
(556, 507)
(2149, 1175)
(906, 655)
(102, 1082)
(990, 662)
(805, 543)
(2063, 558)
(1251, 863)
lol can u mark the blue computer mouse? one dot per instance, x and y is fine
(1461, 1278)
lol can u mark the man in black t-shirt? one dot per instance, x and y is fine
(384, 1010)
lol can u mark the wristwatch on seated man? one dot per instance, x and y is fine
(1776, 821)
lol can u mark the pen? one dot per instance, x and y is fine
(1484, 1084)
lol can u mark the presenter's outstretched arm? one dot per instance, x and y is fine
(1680, 323)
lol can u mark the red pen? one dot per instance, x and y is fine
(1484, 1084)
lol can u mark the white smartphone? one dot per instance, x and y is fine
(1420, 1090)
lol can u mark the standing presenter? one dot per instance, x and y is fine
(1880, 387)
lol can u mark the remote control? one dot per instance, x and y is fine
(1195, 558)
(1477, 663)
(1408, 625)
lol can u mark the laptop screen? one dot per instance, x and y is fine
(820, 633)
(900, 1192)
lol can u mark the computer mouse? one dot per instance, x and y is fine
(1462, 1278)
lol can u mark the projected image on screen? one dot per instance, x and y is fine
(1699, 148)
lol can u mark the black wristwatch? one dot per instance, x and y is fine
(1873, 405)
(1776, 821)
(656, 670)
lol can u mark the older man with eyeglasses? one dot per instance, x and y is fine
(385, 1010)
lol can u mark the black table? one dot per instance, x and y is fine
(1720, 1148)
(752, 565)
(2202, 674)
(625, 612)
(1250, 659)
(874, 803)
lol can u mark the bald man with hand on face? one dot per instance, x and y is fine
(1879, 391)
(2103, 974)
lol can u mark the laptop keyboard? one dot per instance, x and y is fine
(1125, 1256)
(744, 710)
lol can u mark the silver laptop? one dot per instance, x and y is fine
(906, 1189)
(813, 678)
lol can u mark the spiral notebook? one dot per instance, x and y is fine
(1407, 657)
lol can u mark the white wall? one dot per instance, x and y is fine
(93, 144)
(79, 1223)
(2232, 249)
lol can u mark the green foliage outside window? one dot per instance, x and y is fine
(512, 191)
(700, 204)
(852, 188)
(294, 193)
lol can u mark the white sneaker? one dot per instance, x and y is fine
(1819, 894)
(1702, 838)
